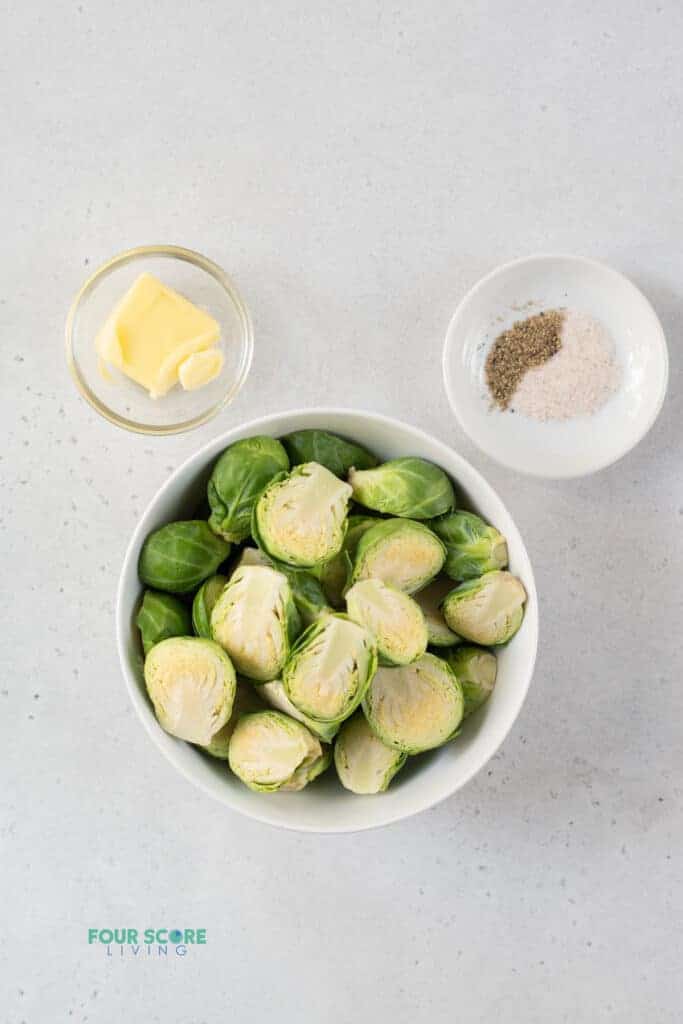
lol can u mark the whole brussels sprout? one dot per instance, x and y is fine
(179, 556)
(401, 552)
(161, 616)
(330, 451)
(300, 519)
(395, 620)
(191, 683)
(415, 707)
(472, 546)
(267, 749)
(407, 487)
(204, 601)
(429, 600)
(364, 764)
(239, 476)
(330, 668)
(488, 610)
(255, 620)
(275, 694)
(246, 701)
(476, 670)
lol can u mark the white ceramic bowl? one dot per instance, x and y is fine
(573, 447)
(325, 806)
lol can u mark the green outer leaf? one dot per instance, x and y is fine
(408, 487)
(161, 616)
(307, 592)
(298, 652)
(331, 451)
(443, 678)
(179, 556)
(386, 529)
(203, 603)
(238, 477)
(473, 547)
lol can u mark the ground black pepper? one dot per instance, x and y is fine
(527, 343)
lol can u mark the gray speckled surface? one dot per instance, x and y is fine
(356, 168)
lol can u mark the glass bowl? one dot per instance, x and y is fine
(119, 399)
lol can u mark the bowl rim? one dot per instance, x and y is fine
(449, 342)
(188, 256)
(122, 616)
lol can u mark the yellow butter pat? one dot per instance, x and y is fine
(153, 332)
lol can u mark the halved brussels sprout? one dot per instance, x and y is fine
(396, 620)
(255, 620)
(488, 610)
(476, 670)
(307, 592)
(274, 693)
(364, 764)
(179, 556)
(330, 451)
(402, 553)
(429, 600)
(191, 683)
(308, 772)
(161, 616)
(330, 668)
(239, 476)
(415, 707)
(407, 487)
(300, 519)
(203, 604)
(473, 547)
(246, 701)
(267, 749)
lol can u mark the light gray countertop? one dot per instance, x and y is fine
(355, 167)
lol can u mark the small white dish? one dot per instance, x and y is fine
(426, 779)
(574, 447)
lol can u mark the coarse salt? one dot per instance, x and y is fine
(577, 380)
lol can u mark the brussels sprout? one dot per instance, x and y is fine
(402, 553)
(161, 616)
(476, 670)
(488, 610)
(472, 546)
(255, 620)
(274, 694)
(358, 525)
(307, 591)
(334, 577)
(308, 772)
(267, 749)
(246, 701)
(191, 683)
(394, 618)
(408, 487)
(415, 707)
(239, 476)
(330, 668)
(204, 601)
(364, 764)
(300, 519)
(429, 600)
(330, 451)
(179, 556)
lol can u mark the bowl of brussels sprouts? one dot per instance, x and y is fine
(327, 620)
